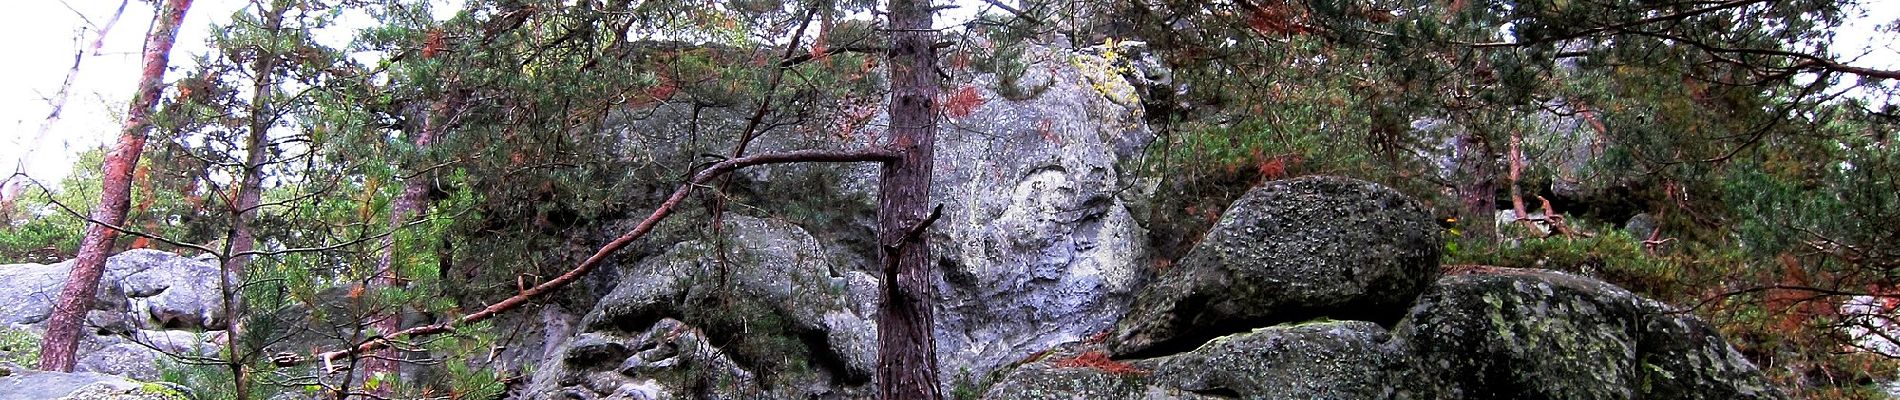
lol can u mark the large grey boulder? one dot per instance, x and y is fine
(1289, 251)
(170, 291)
(759, 313)
(1507, 333)
(160, 290)
(1320, 360)
(150, 305)
(32, 289)
(1485, 333)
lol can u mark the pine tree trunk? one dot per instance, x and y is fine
(76, 299)
(407, 205)
(1477, 187)
(250, 196)
(907, 362)
(251, 189)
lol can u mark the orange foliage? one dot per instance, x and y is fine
(433, 45)
(1099, 361)
(1272, 168)
(1797, 307)
(962, 102)
(1277, 18)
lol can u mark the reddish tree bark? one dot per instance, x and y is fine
(250, 193)
(251, 189)
(75, 300)
(408, 204)
(907, 347)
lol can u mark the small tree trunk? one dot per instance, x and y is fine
(907, 362)
(75, 300)
(1477, 187)
(408, 204)
(250, 195)
(1515, 158)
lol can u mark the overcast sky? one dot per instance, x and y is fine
(45, 34)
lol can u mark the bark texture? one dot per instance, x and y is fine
(907, 362)
(115, 195)
(407, 205)
(1477, 187)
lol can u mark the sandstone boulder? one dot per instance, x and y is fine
(1290, 251)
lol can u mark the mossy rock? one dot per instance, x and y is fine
(1290, 251)
(1533, 334)
(133, 391)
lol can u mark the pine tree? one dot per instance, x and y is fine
(57, 352)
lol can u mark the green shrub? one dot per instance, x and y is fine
(19, 346)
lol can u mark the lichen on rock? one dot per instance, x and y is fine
(1290, 251)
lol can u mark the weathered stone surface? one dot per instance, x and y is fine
(1488, 334)
(759, 315)
(1037, 240)
(33, 288)
(1319, 360)
(171, 291)
(137, 391)
(161, 290)
(1290, 251)
(29, 384)
(1503, 333)
(1053, 375)
(147, 300)
(123, 359)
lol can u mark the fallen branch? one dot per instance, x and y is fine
(659, 213)
(1556, 221)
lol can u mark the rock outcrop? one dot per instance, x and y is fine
(1290, 251)
(1316, 360)
(761, 312)
(17, 383)
(150, 303)
(1487, 334)
(1337, 287)
(153, 289)
(1506, 333)
(1038, 241)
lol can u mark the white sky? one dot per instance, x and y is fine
(45, 34)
